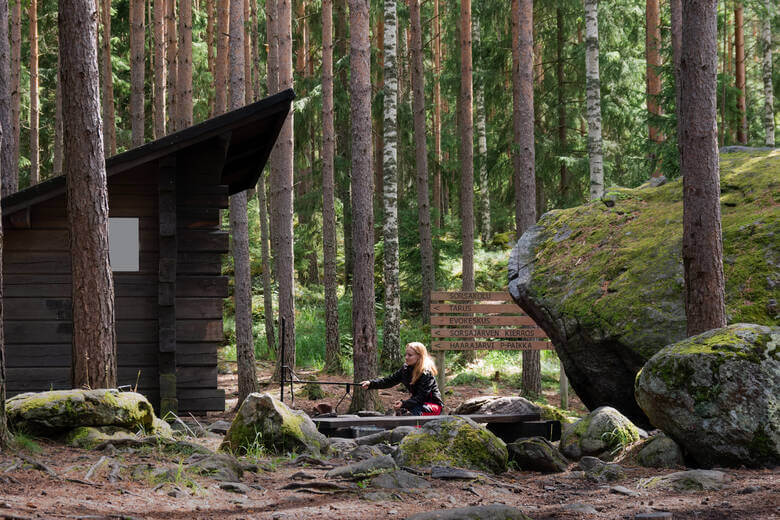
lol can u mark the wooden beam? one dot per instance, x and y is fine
(166, 273)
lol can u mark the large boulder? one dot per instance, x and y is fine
(605, 279)
(453, 441)
(660, 451)
(264, 422)
(602, 433)
(537, 454)
(716, 394)
(60, 410)
(492, 404)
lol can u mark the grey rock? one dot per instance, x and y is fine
(692, 480)
(654, 182)
(621, 490)
(219, 466)
(660, 452)
(607, 473)
(302, 475)
(448, 473)
(364, 452)
(537, 454)
(220, 427)
(589, 463)
(715, 394)
(602, 433)
(364, 467)
(374, 438)
(491, 404)
(398, 433)
(583, 509)
(369, 413)
(235, 487)
(399, 480)
(490, 512)
(338, 446)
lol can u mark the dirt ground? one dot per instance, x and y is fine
(30, 493)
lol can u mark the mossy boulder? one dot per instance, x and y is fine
(602, 433)
(537, 454)
(88, 437)
(61, 410)
(605, 282)
(660, 451)
(453, 441)
(264, 422)
(493, 404)
(716, 394)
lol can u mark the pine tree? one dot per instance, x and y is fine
(11, 184)
(7, 165)
(766, 38)
(171, 66)
(109, 121)
(94, 362)
(653, 77)
(159, 68)
(35, 155)
(739, 48)
(137, 65)
(484, 189)
(220, 78)
(466, 155)
(184, 66)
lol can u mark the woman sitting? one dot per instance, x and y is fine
(418, 376)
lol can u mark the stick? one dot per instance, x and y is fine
(37, 465)
(95, 467)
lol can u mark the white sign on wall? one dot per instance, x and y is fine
(123, 244)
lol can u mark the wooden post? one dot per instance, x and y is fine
(442, 379)
(564, 387)
(166, 296)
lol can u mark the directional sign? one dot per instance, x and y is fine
(470, 296)
(529, 334)
(496, 308)
(481, 320)
(492, 345)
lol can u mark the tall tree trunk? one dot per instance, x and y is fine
(137, 54)
(343, 141)
(58, 123)
(523, 157)
(282, 192)
(739, 44)
(653, 78)
(593, 87)
(769, 112)
(379, 145)
(675, 8)
(332, 348)
(35, 155)
(221, 78)
(239, 224)
(563, 187)
(484, 189)
(94, 338)
(268, 297)
(11, 179)
(184, 65)
(248, 91)
(159, 68)
(6, 150)
(256, 72)
(702, 248)
(436, 115)
(391, 342)
(171, 68)
(109, 120)
(466, 155)
(4, 434)
(363, 318)
(211, 23)
(421, 161)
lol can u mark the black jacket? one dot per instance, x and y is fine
(424, 390)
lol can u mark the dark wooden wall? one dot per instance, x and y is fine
(37, 286)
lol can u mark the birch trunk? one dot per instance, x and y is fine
(593, 95)
(484, 189)
(363, 318)
(769, 113)
(35, 155)
(170, 64)
(6, 151)
(466, 157)
(94, 339)
(391, 345)
(332, 348)
(137, 69)
(702, 247)
(184, 65)
(282, 191)
(159, 68)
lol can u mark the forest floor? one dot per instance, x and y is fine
(29, 493)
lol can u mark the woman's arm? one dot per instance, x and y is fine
(386, 382)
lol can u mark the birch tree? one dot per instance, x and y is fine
(766, 68)
(593, 95)
(363, 318)
(332, 348)
(484, 190)
(702, 247)
(391, 346)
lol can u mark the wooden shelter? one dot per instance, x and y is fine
(166, 246)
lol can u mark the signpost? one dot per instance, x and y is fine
(481, 321)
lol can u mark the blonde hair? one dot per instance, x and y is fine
(425, 363)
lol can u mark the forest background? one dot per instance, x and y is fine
(637, 94)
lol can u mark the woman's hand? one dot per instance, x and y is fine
(397, 405)
(365, 384)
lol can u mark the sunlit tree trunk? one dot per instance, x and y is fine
(466, 155)
(221, 76)
(436, 115)
(109, 122)
(94, 362)
(35, 155)
(675, 8)
(702, 248)
(739, 44)
(593, 95)
(6, 151)
(211, 23)
(563, 186)
(653, 77)
(184, 65)
(256, 72)
(137, 69)
(363, 318)
(159, 68)
(58, 124)
(171, 69)
(268, 296)
(332, 347)
(13, 137)
(769, 113)
(343, 139)
(484, 189)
